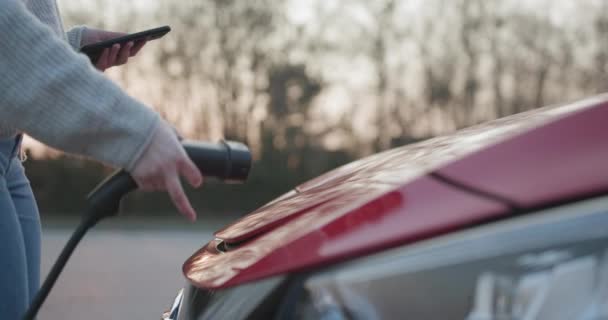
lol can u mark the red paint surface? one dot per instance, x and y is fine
(563, 159)
(395, 167)
(421, 209)
(388, 200)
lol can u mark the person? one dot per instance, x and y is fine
(54, 94)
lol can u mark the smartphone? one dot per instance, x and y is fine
(94, 50)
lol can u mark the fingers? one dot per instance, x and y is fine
(102, 61)
(138, 45)
(124, 54)
(113, 55)
(179, 198)
(160, 168)
(118, 55)
(168, 182)
(188, 170)
(150, 184)
(108, 57)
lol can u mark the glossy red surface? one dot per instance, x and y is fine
(388, 199)
(561, 160)
(395, 167)
(422, 208)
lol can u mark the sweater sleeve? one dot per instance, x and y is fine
(74, 37)
(52, 93)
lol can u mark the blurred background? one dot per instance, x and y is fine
(310, 85)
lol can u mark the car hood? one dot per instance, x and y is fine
(414, 192)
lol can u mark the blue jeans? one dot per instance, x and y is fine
(19, 234)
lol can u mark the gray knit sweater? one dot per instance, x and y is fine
(52, 93)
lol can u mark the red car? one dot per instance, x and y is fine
(506, 220)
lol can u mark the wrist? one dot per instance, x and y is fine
(154, 129)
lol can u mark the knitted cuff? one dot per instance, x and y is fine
(75, 37)
(150, 132)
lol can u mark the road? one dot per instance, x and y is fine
(118, 274)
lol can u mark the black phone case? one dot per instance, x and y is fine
(93, 51)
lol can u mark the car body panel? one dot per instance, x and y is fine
(418, 210)
(394, 198)
(558, 161)
(394, 167)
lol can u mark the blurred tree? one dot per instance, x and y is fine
(221, 50)
(311, 91)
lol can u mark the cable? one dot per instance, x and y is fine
(229, 161)
(87, 223)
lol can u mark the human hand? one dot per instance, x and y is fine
(115, 56)
(161, 166)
